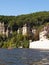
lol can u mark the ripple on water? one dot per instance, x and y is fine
(23, 57)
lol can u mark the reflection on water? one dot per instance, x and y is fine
(23, 57)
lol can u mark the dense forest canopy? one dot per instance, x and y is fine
(34, 19)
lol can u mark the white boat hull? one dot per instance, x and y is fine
(42, 45)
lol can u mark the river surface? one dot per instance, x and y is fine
(23, 57)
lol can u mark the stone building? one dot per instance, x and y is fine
(42, 35)
(34, 31)
(19, 31)
(26, 30)
(4, 30)
(8, 31)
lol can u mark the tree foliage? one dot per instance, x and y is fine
(37, 20)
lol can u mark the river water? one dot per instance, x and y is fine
(23, 57)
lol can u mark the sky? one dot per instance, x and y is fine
(19, 7)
